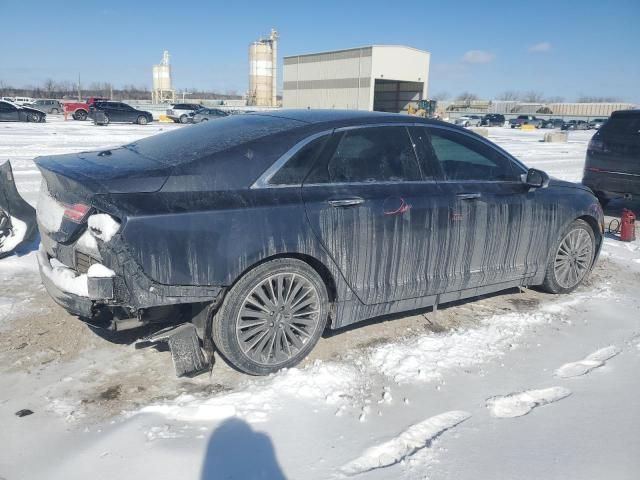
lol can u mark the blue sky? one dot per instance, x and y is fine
(566, 49)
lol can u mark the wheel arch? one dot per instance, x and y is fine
(320, 268)
(593, 223)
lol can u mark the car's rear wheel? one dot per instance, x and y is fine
(272, 317)
(142, 120)
(571, 258)
(184, 119)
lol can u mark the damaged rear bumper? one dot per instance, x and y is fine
(78, 295)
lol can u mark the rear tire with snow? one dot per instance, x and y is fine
(571, 258)
(272, 317)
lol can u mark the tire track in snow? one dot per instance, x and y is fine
(519, 404)
(414, 438)
(595, 360)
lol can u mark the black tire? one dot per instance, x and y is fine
(34, 117)
(204, 120)
(553, 281)
(106, 120)
(184, 119)
(55, 111)
(80, 115)
(226, 328)
(142, 120)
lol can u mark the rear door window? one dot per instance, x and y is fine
(462, 157)
(622, 125)
(370, 155)
(297, 167)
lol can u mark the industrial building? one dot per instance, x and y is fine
(263, 64)
(386, 78)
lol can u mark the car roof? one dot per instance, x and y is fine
(626, 113)
(351, 116)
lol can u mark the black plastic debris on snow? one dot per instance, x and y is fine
(24, 412)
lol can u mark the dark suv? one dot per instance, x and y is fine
(612, 167)
(493, 120)
(118, 112)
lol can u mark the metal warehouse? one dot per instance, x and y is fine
(385, 78)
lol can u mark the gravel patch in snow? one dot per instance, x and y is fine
(519, 404)
(582, 367)
(414, 438)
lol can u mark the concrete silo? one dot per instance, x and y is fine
(263, 63)
(162, 89)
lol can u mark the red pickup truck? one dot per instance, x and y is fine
(80, 110)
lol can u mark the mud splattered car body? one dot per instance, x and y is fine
(392, 213)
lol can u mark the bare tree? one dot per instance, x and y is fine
(555, 99)
(532, 97)
(441, 96)
(467, 97)
(509, 95)
(596, 99)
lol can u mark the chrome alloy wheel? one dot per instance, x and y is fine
(573, 258)
(277, 318)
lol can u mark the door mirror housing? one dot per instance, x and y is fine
(535, 178)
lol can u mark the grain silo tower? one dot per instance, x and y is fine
(263, 64)
(162, 89)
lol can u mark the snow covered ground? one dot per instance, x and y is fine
(516, 386)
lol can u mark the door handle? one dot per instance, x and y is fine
(468, 196)
(346, 202)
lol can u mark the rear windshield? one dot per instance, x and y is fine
(623, 125)
(199, 141)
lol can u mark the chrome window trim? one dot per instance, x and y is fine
(263, 180)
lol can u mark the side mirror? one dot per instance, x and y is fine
(536, 178)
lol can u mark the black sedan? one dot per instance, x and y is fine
(264, 229)
(109, 112)
(10, 112)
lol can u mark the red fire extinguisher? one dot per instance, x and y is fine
(627, 226)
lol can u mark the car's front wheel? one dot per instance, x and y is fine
(184, 119)
(34, 117)
(571, 258)
(142, 120)
(272, 317)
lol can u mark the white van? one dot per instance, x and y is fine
(7, 99)
(23, 100)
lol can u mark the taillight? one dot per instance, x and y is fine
(596, 145)
(76, 212)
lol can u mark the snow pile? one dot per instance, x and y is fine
(17, 235)
(50, 213)
(582, 367)
(322, 382)
(63, 277)
(103, 226)
(405, 444)
(97, 270)
(428, 356)
(518, 404)
(67, 279)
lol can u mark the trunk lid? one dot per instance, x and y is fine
(71, 181)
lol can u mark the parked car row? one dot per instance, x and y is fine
(193, 113)
(496, 119)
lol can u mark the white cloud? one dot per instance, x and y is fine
(541, 47)
(478, 56)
